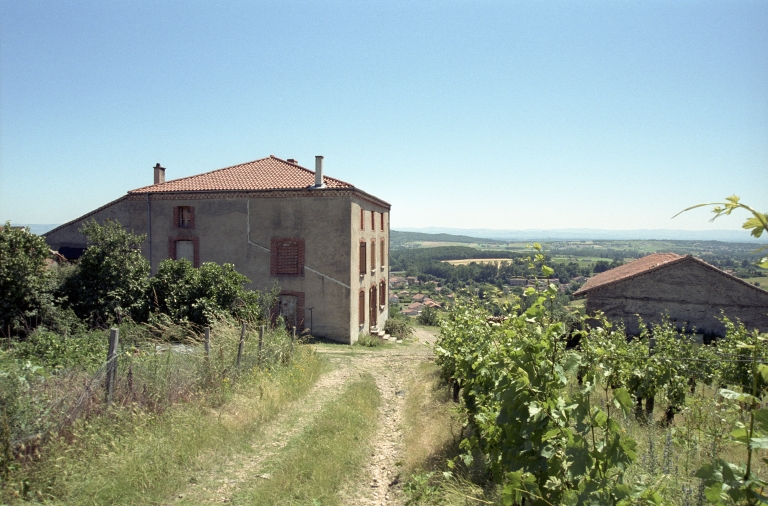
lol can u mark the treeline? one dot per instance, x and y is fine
(398, 238)
(430, 263)
(110, 284)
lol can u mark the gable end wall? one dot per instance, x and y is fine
(692, 294)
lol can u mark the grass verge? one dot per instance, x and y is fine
(314, 466)
(433, 430)
(134, 457)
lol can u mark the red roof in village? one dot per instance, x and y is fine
(269, 173)
(626, 271)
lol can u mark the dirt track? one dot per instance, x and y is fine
(377, 484)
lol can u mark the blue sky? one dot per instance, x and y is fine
(482, 114)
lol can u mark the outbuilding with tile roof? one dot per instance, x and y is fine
(324, 241)
(693, 293)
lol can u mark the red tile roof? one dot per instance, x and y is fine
(647, 264)
(269, 173)
(626, 271)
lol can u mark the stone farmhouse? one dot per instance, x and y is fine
(325, 242)
(692, 292)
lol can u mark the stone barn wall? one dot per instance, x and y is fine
(690, 292)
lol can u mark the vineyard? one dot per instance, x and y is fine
(562, 409)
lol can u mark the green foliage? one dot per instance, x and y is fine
(542, 443)
(205, 294)
(369, 341)
(25, 283)
(19, 413)
(429, 316)
(112, 277)
(398, 326)
(85, 350)
(757, 223)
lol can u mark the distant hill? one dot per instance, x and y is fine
(398, 238)
(36, 228)
(581, 234)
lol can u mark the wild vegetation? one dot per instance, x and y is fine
(56, 423)
(553, 425)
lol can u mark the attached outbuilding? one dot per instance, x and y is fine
(324, 241)
(693, 293)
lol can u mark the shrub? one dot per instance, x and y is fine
(85, 350)
(111, 280)
(23, 277)
(398, 327)
(429, 316)
(369, 341)
(206, 294)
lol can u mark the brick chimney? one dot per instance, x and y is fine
(159, 174)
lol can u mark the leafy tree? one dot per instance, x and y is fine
(23, 276)
(429, 317)
(111, 280)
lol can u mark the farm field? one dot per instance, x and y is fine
(763, 281)
(477, 260)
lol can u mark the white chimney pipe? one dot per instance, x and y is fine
(159, 174)
(319, 172)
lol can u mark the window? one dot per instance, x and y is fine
(382, 293)
(361, 308)
(363, 262)
(184, 247)
(373, 254)
(373, 220)
(362, 219)
(382, 222)
(186, 250)
(383, 253)
(373, 316)
(183, 217)
(287, 257)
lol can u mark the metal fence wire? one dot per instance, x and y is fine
(151, 376)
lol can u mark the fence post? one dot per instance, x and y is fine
(293, 338)
(240, 346)
(261, 342)
(114, 336)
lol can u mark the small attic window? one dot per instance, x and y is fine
(184, 217)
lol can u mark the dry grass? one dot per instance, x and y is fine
(432, 425)
(133, 456)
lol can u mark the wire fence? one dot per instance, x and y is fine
(151, 375)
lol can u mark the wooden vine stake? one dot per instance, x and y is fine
(241, 344)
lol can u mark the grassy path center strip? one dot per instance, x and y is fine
(315, 465)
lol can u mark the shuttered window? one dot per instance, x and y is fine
(382, 293)
(373, 255)
(361, 308)
(383, 253)
(363, 262)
